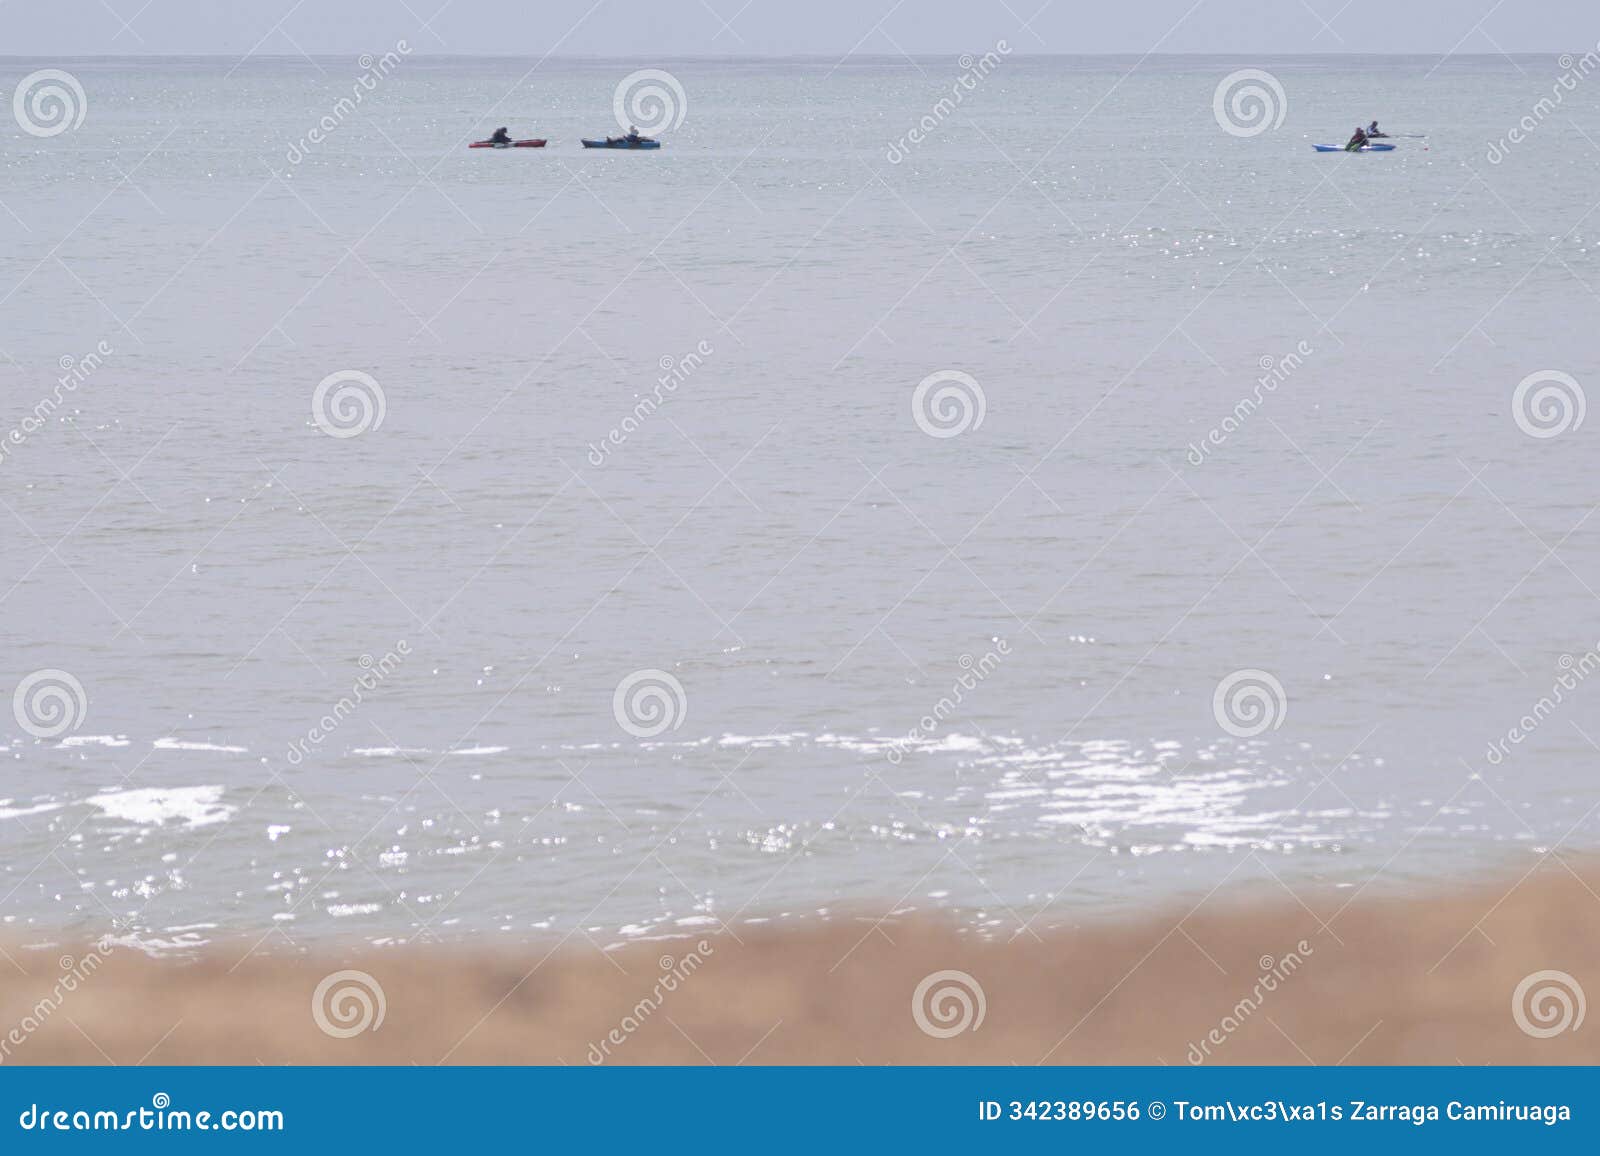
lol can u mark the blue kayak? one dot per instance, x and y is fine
(1366, 148)
(622, 143)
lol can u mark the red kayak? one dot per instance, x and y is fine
(516, 144)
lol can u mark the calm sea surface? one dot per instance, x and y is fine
(643, 598)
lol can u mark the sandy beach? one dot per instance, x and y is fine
(1430, 980)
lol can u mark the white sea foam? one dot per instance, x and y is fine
(188, 806)
(172, 744)
(9, 811)
(72, 741)
(344, 910)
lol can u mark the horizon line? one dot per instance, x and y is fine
(821, 56)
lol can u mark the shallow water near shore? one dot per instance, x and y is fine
(381, 688)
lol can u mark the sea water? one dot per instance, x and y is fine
(1032, 504)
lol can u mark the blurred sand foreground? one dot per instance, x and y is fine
(1431, 980)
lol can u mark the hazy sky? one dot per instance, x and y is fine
(783, 27)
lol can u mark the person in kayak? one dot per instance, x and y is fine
(632, 138)
(501, 136)
(1356, 141)
(1372, 131)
